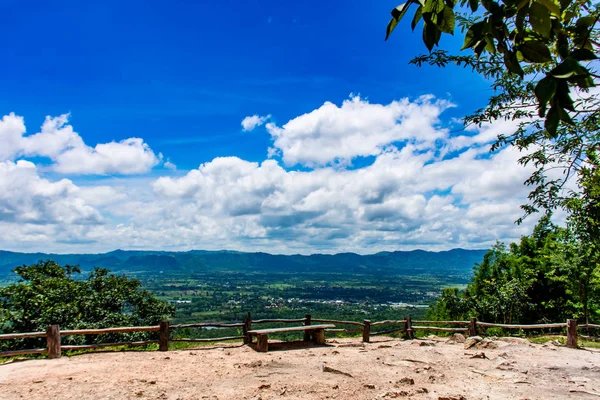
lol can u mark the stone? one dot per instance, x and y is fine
(406, 381)
(486, 344)
(456, 338)
(472, 341)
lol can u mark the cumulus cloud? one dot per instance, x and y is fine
(28, 198)
(251, 122)
(357, 128)
(411, 194)
(60, 143)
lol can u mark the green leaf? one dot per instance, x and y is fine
(535, 51)
(474, 4)
(512, 63)
(489, 46)
(433, 6)
(431, 35)
(585, 82)
(583, 55)
(397, 14)
(585, 22)
(474, 35)
(562, 44)
(539, 17)
(564, 116)
(564, 4)
(551, 123)
(544, 90)
(568, 68)
(417, 17)
(553, 6)
(446, 24)
(390, 28)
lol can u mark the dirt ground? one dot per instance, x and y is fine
(343, 369)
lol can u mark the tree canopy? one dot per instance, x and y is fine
(546, 277)
(48, 294)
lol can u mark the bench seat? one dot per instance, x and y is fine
(262, 335)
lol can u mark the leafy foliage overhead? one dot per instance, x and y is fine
(553, 33)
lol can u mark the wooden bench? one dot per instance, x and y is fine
(262, 335)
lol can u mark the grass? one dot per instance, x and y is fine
(563, 341)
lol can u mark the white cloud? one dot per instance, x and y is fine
(333, 134)
(254, 121)
(410, 196)
(127, 157)
(60, 143)
(26, 198)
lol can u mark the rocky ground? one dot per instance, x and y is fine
(387, 368)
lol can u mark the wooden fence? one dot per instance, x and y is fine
(367, 328)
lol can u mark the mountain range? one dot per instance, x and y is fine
(415, 262)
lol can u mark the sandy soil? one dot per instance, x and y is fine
(384, 369)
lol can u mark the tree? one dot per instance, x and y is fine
(546, 277)
(536, 54)
(49, 294)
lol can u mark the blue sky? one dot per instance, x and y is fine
(181, 76)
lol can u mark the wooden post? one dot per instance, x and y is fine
(248, 325)
(572, 333)
(473, 327)
(163, 336)
(307, 322)
(319, 335)
(366, 331)
(245, 331)
(262, 343)
(53, 341)
(409, 329)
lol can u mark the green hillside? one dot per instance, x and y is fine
(456, 261)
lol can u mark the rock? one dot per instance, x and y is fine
(456, 338)
(264, 386)
(514, 340)
(395, 395)
(422, 390)
(472, 341)
(486, 344)
(406, 381)
(479, 355)
(325, 368)
(254, 364)
(369, 386)
(459, 397)
(506, 365)
(422, 343)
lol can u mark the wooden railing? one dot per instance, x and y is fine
(53, 333)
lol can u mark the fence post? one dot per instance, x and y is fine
(245, 331)
(409, 329)
(248, 326)
(307, 334)
(53, 341)
(366, 331)
(572, 333)
(163, 336)
(473, 327)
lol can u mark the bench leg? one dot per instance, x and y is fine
(262, 343)
(319, 335)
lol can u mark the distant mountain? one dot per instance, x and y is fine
(416, 262)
